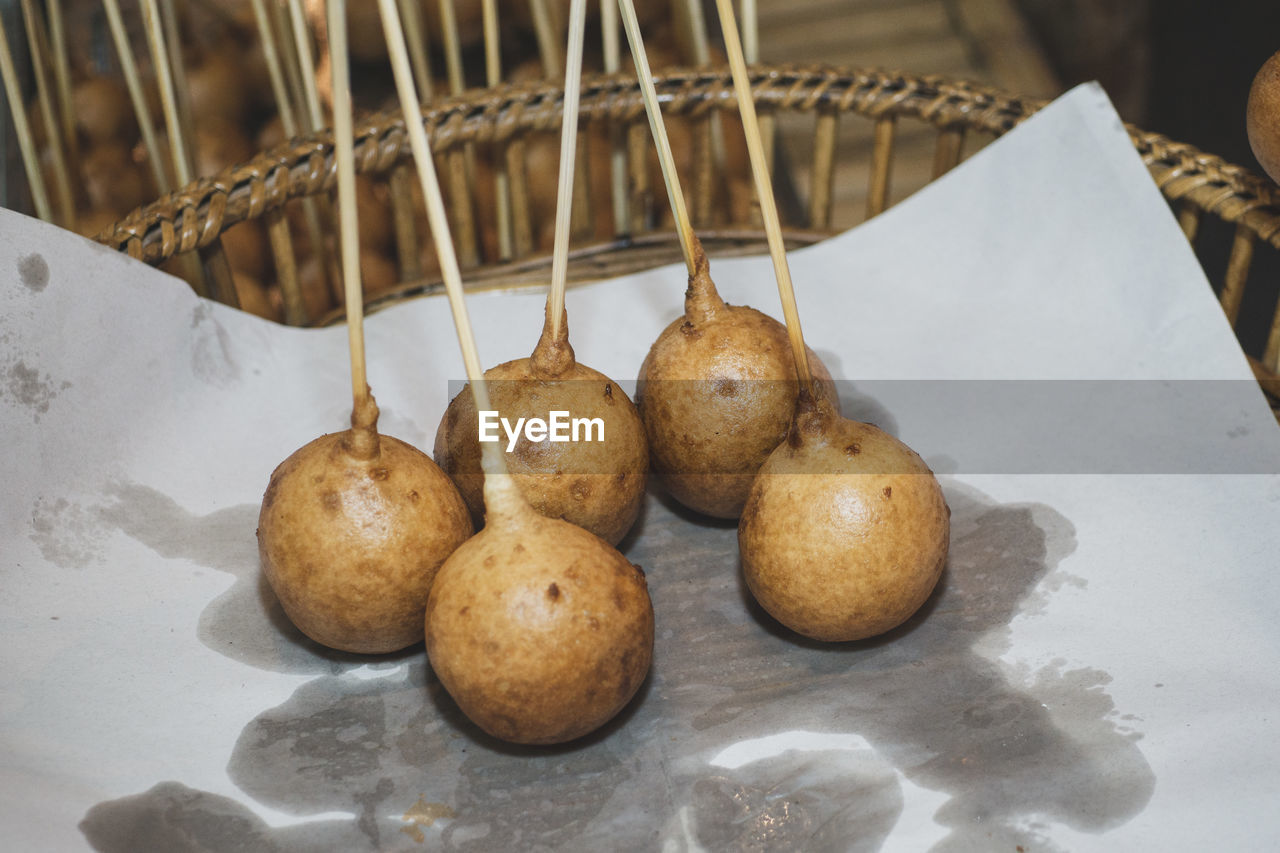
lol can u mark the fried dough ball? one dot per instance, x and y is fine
(717, 393)
(353, 529)
(845, 531)
(539, 630)
(598, 485)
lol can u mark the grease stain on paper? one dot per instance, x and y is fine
(246, 623)
(211, 351)
(24, 385)
(33, 272)
(1013, 751)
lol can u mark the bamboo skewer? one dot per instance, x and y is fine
(609, 37)
(312, 121)
(348, 230)
(215, 266)
(178, 70)
(302, 44)
(659, 130)
(552, 68)
(492, 458)
(501, 180)
(709, 154)
(400, 181)
(768, 207)
(22, 129)
(461, 163)
(281, 240)
(568, 151)
(548, 47)
(275, 69)
(132, 82)
(62, 83)
(288, 52)
(751, 52)
(53, 133)
(416, 34)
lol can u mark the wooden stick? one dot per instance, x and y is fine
(168, 100)
(1237, 273)
(659, 130)
(178, 70)
(132, 82)
(288, 51)
(548, 46)
(62, 84)
(302, 43)
(881, 165)
(568, 150)
(348, 230)
(215, 267)
(461, 162)
(318, 212)
(768, 207)
(709, 153)
(411, 107)
(501, 179)
(415, 32)
(521, 217)
(751, 52)
(282, 250)
(22, 129)
(275, 69)
(750, 31)
(403, 222)
(641, 207)
(617, 133)
(824, 161)
(452, 47)
(53, 134)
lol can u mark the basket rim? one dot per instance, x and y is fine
(193, 216)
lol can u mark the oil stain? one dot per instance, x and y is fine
(211, 358)
(246, 623)
(1014, 751)
(177, 819)
(24, 385)
(68, 534)
(33, 272)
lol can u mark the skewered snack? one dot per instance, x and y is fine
(353, 528)
(596, 481)
(845, 531)
(540, 631)
(354, 525)
(1263, 117)
(598, 485)
(718, 387)
(716, 393)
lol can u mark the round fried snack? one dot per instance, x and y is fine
(540, 631)
(717, 392)
(596, 484)
(1263, 117)
(846, 530)
(353, 528)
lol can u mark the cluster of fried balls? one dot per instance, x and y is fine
(537, 626)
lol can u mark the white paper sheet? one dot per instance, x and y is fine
(1097, 673)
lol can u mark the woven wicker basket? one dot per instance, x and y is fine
(1195, 183)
